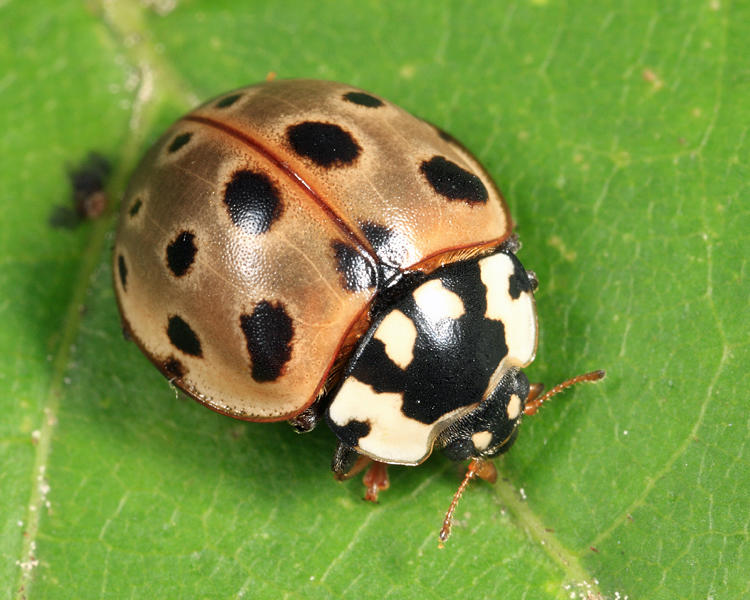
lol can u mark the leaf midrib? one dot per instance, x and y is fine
(122, 21)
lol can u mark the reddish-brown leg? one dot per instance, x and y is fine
(376, 479)
(361, 462)
(486, 470)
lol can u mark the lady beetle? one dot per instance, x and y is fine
(298, 250)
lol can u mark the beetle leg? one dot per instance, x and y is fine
(533, 281)
(347, 462)
(376, 479)
(486, 470)
(308, 418)
(511, 244)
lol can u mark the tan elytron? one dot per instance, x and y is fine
(336, 223)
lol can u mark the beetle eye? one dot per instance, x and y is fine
(460, 449)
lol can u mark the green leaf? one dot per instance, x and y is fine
(618, 133)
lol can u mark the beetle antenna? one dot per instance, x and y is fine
(533, 403)
(472, 471)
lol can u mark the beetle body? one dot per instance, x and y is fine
(305, 249)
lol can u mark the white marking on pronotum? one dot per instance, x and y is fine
(393, 436)
(517, 315)
(398, 334)
(438, 302)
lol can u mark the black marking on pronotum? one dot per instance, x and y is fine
(253, 201)
(357, 272)
(351, 432)
(453, 182)
(268, 332)
(183, 337)
(325, 144)
(363, 99)
(179, 141)
(122, 269)
(439, 379)
(181, 253)
(518, 281)
(228, 101)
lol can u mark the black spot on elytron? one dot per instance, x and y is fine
(325, 144)
(446, 137)
(127, 332)
(357, 273)
(453, 359)
(181, 253)
(453, 182)
(122, 269)
(173, 368)
(268, 333)
(183, 337)
(253, 201)
(351, 432)
(390, 247)
(179, 141)
(228, 101)
(135, 207)
(519, 280)
(363, 99)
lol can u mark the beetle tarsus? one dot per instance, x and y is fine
(511, 244)
(487, 471)
(375, 480)
(308, 419)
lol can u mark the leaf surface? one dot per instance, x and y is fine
(618, 134)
